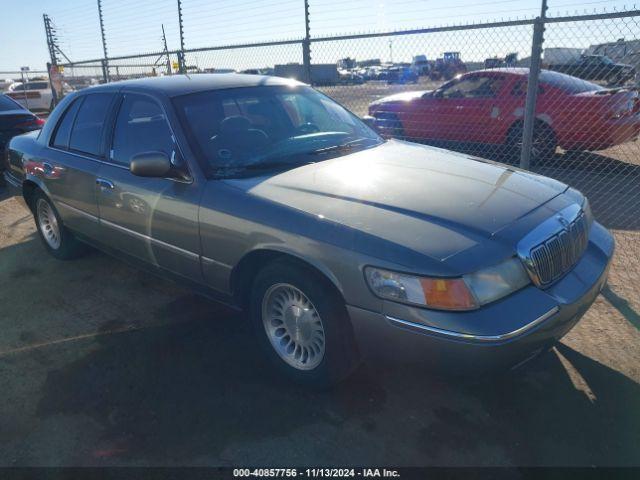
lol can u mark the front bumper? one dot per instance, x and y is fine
(504, 333)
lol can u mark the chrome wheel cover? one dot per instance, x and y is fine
(293, 326)
(48, 223)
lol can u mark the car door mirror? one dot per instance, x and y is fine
(369, 121)
(150, 164)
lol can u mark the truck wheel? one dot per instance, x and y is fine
(56, 238)
(615, 80)
(302, 325)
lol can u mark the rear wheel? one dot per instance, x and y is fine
(56, 238)
(543, 142)
(302, 325)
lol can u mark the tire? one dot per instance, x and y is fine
(287, 302)
(56, 238)
(615, 80)
(544, 142)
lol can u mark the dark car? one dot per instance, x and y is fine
(597, 67)
(264, 193)
(401, 75)
(14, 120)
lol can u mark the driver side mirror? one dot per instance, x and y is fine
(369, 121)
(150, 164)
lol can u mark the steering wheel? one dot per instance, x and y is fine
(307, 127)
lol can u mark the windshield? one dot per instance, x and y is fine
(250, 129)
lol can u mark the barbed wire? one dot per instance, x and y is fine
(136, 27)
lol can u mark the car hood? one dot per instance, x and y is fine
(401, 97)
(430, 200)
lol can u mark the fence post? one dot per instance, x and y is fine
(532, 88)
(105, 70)
(181, 65)
(105, 61)
(306, 45)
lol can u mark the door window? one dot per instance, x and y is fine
(476, 86)
(141, 127)
(37, 86)
(520, 89)
(88, 129)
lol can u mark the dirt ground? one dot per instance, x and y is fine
(101, 364)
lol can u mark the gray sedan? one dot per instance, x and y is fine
(267, 195)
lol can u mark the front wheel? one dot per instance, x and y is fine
(302, 325)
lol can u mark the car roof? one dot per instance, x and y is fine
(519, 71)
(175, 85)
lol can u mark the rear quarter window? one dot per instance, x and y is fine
(567, 83)
(63, 129)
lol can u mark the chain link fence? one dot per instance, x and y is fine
(462, 87)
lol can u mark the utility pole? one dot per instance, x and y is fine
(53, 55)
(166, 51)
(51, 39)
(182, 68)
(532, 88)
(306, 44)
(390, 51)
(105, 61)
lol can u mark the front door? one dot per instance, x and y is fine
(153, 219)
(468, 109)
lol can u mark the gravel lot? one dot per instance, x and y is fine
(101, 364)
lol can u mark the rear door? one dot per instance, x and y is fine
(73, 156)
(153, 219)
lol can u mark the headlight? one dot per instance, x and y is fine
(466, 293)
(495, 282)
(583, 201)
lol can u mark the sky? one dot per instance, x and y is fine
(136, 27)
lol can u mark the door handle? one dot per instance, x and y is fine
(104, 184)
(47, 168)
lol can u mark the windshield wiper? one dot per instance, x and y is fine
(337, 148)
(272, 165)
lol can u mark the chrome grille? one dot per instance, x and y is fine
(558, 254)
